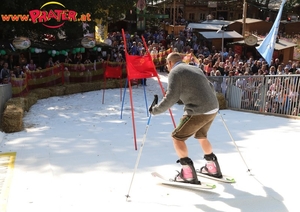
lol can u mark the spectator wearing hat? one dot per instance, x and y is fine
(134, 49)
(286, 70)
(240, 67)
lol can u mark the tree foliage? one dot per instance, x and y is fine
(96, 8)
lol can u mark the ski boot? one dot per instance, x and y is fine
(187, 173)
(212, 167)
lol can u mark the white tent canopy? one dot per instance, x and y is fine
(227, 35)
(209, 25)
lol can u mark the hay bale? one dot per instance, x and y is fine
(31, 94)
(57, 90)
(19, 102)
(222, 101)
(111, 83)
(31, 99)
(72, 89)
(93, 86)
(42, 93)
(12, 119)
(86, 87)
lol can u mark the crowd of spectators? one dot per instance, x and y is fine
(216, 63)
(219, 65)
(208, 58)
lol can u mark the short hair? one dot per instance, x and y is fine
(174, 57)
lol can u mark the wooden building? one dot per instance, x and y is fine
(253, 26)
(283, 49)
(199, 10)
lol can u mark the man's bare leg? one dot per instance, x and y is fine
(206, 146)
(180, 148)
(188, 172)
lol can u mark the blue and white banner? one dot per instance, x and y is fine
(266, 48)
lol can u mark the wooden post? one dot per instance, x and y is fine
(244, 17)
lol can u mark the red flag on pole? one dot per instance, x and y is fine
(140, 67)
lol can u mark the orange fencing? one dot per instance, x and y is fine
(69, 73)
(58, 75)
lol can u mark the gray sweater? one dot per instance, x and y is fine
(190, 85)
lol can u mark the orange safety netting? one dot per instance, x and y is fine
(78, 73)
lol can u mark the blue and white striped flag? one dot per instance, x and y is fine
(266, 48)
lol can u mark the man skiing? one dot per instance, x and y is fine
(189, 84)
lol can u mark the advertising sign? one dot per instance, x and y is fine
(52, 14)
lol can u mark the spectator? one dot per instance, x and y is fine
(5, 74)
(254, 68)
(264, 69)
(19, 72)
(276, 63)
(272, 70)
(140, 48)
(206, 52)
(226, 70)
(22, 60)
(230, 52)
(241, 82)
(119, 58)
(99, 58)
(134, 49)
(293, 68)
(280, 70)
(286, 70)
(49, 63)
(217, 81)
(68, 59)
(240, 68)
(225, 54)
(31, 66)
(78, 58)
(220, 67)
(87, 61)
(12, 74)
(179, 45)
(289, 64)
(247, 67)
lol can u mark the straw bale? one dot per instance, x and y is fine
(87, 86)
(112, 83)
(12, 119)
(96, 85)
(57, 90)
(91, 86)
(42, 93)
(222, 101)
(72, 89)
(31, 94)
(31, 99)
(18, 101)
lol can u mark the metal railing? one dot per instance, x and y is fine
(275, 94)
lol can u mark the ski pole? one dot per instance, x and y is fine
(139, 156)
(142, 145)
(248, 170)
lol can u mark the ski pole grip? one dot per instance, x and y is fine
(155, 101)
